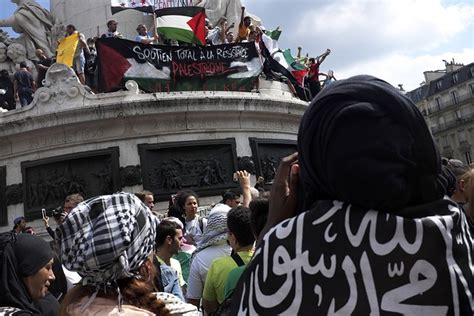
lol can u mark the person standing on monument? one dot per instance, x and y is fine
(143, 36)
(112, 30)
(7, 100)
(44, 62)
(24, 85)
(79, 57)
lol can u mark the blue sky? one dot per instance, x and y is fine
(394, 40)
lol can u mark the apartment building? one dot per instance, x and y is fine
(446, 99)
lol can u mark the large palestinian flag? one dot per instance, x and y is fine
(140, 5)
(184, 24)
(280, 66)
(298, 70)
(158, 68)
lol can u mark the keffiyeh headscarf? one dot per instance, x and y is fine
(107, 238)
(215, 233)
(361, 141)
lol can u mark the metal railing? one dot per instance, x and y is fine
(461, 98)
(450, 124)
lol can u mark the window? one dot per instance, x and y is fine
(458, 115)
(472, 88)
(454, 97)
(462, 136)
(455, 78)
(472, 71)
(445, 141)
(438, 103)
(467, 155)
(441, 122)
(439, 85)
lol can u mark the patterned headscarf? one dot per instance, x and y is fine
(215, 232)
(107, 238)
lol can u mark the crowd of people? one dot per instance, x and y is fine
(348, 227)
(21, 85)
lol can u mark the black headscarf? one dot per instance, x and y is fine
(362, 142)
(21, 255)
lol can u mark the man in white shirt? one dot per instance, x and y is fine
(112, 30)
(213, 245)
(143, 36)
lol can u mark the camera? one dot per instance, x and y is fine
(56, 212)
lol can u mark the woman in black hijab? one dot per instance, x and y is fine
(25, 274)
(374, 235)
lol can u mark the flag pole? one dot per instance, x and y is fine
(155, 31)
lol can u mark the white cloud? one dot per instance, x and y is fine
(398, 68)
(361, 32)
(386, 25)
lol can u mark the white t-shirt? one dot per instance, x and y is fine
(199, 267)
(193, 229)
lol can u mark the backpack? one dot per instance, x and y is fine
(224, 308)
(201, 225)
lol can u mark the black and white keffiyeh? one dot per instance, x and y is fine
(341, 260)
(215, 232)
(107, 238)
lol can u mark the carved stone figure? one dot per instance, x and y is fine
(130, 176)
(5, 64)
(34, 23)
(215, 9)
(269, 165)
(17, 53)
(246, 163)
(231, 9)
(14, 194)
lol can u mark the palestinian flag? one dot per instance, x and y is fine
(140, 5)
(298, 70)
(279, 66)
(184, 24)
(274, 35)
(160, 68)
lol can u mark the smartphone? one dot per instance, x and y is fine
(236, 177)
(43, 212)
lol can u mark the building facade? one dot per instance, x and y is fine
(447, 102)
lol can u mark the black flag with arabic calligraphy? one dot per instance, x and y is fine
(341, 260)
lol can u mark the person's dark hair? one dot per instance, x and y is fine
(258, 215)
(4, 73)
(238, 223)
(136, 292)
(70, 26)
(164, 229)
(110, 22)
(230, 195)
(247, 18)
(141, 195)
(181, 198)
(311, 60)
(23, 64)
